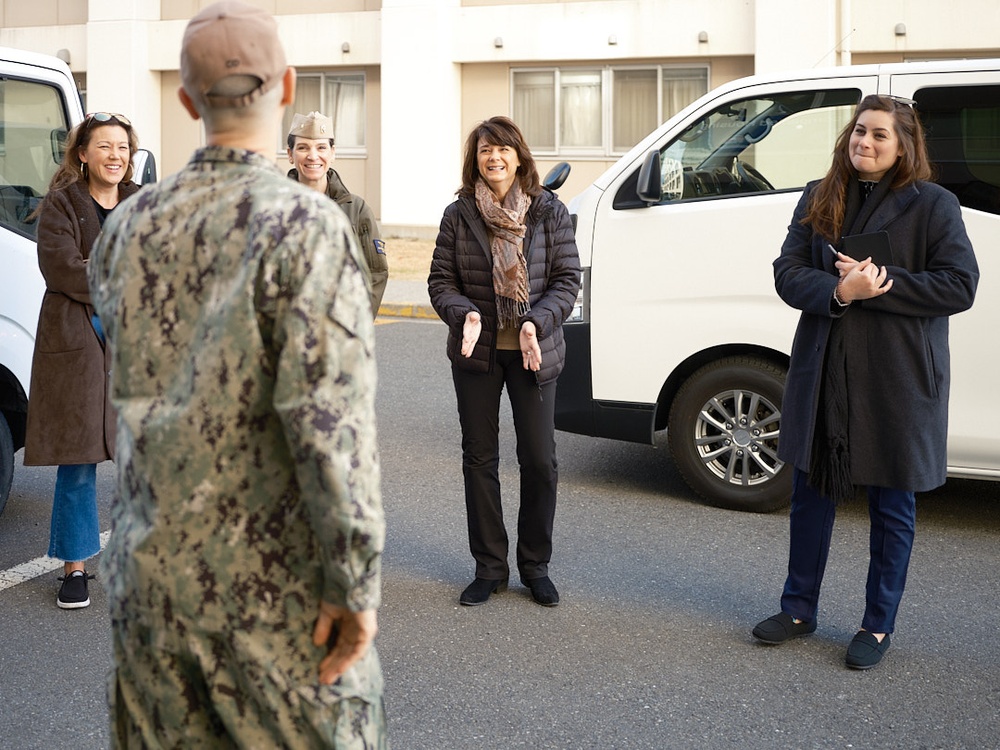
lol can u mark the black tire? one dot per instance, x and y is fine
(6, 461)
(723, 434)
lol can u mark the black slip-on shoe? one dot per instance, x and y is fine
(479, 591)
(780, 628)
(73, 592)
(865, 650)
(543, 591)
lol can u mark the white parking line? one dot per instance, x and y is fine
(34, 568)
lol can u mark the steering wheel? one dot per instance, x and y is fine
(747, 175)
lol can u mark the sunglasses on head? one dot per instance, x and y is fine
(902, 100)
(106, 117)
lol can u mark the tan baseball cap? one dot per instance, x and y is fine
(230, 38)
(315, 126)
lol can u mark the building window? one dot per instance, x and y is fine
(599, 111)
(342, 98)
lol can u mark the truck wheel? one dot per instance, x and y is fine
(723, 434)
(6, 461)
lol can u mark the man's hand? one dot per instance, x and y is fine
(356, 633)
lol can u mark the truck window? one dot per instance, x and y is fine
(33, 128)
(777, 142)
(963, 141)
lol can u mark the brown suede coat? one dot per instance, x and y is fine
(70, 417)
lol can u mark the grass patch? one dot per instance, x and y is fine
(409, 258)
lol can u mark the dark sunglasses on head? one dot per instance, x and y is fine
(106, 117)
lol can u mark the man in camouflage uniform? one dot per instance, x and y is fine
(243, 570)
(311, 152)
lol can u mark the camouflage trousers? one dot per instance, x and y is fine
(178, 688)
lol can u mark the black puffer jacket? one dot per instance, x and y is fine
(461, 280)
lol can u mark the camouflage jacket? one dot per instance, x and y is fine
(236, 305)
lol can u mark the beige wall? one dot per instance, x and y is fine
(42, 12)
(433, 69)
(184, 9)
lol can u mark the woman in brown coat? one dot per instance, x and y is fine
(70, 420)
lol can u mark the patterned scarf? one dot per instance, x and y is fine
(507, 230)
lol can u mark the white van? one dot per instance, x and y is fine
(39, 104)
(679, 326)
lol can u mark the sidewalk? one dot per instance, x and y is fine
(406, 298)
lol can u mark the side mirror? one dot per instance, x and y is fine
(650, 185)
(143, 167)
(57, 140)
(556, 176)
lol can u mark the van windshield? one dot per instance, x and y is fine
(775, 142)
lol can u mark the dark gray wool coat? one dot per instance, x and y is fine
(461, 280)
(898, 362)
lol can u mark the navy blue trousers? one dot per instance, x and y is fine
(893, 520)
(533, 409)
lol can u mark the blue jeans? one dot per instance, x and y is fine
(75, 532)
(893, 519)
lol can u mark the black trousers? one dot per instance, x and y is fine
(534, 427)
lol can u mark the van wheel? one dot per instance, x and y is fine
(6, 461)
(723, 434)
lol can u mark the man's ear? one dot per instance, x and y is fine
(188, 104)
(288, 87)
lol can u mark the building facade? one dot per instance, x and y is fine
(405, 80)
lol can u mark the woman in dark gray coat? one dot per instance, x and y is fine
(504, 278)
(866, 399)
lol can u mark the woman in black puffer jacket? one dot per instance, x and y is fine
(504, 277)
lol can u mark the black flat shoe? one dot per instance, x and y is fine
(865, 650)
(543, 591)
(479, 591)
(780, 628)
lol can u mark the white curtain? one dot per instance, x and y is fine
(580, 109)
(534, 108)
(635, 114)
(345, 103)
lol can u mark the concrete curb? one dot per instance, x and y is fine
(406, 310)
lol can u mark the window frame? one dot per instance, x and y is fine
(606, 148)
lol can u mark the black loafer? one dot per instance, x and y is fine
(479, 591)
(781, 628)
(865, 650)
(543, 591)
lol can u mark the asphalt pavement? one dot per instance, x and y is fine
(650, 648)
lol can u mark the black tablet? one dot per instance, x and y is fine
(874, 244)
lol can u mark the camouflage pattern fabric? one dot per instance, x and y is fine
(244, 377)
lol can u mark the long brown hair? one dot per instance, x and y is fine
(828, 201)
(72, 169)
(499, 131)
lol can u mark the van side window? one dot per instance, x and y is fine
(763, 144)
(963, 141)
(33, 130)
